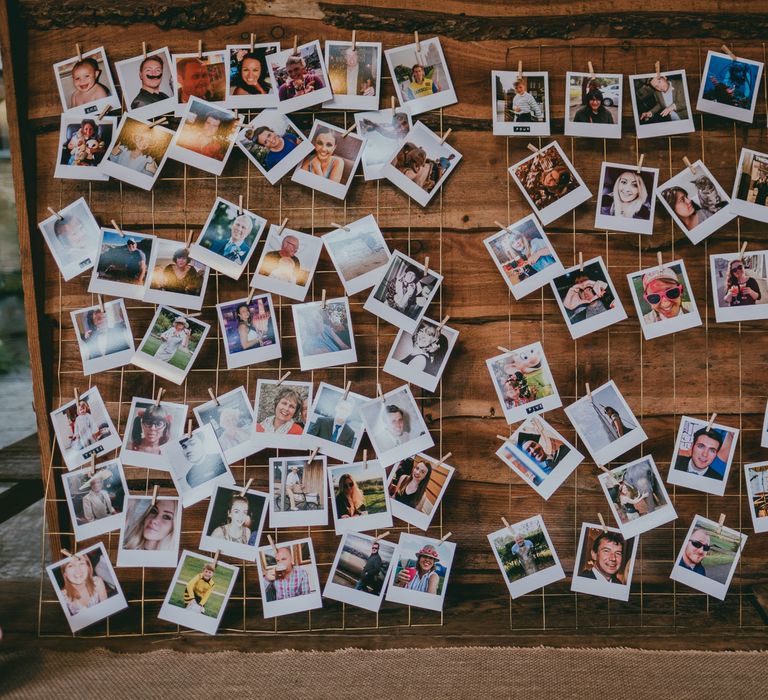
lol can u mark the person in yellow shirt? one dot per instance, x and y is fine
(199, 589)
(419, 85)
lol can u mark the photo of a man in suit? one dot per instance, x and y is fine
(607, 558)
(335, 429)
(706, 445)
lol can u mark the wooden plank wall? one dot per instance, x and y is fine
(713, 368)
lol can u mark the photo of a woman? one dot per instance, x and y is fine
(252, 329)
(423, 577)
(322, 162)
(251, 76)
(287, 416)
(236, 528)
(150, 527)
(350, 501)
(629, 197)
(427, 350)
(410, 488)
(151, 430)
(175, 338)
(687, 211)
(233, 432)
(741, 289)
(593, 111)
(82, 589)
(180, 276)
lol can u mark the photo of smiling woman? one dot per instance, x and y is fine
(322, 162)
(151, 527)
(627, 198)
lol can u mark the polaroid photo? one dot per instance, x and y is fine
(324, 334)
(205, 136)
(228, 239)
(709, 557)
(520, 103)
(121, 266)
(360, 572)
(84, 429)
(274, 144)
(421, 357)
(231, 417)
(696, 202)
(756, 478)
(549, 183)
(89, 570)
(300, 77)
(359, 497)
(416, 486)
(593, 105)
(627, 198)
(149, 428)
(299, 492)
(764, 435)
(234, 522)
(174, 277)
(605, 562)
(85, 83)
(637, 496)
(151, 534)
(526, 556)
(395, 426)
(334, 422)
(199, 592)
(703, 455)
(664, 299)
(605, 423)
(384, 132)
(201, 76)
(523, 382)
(421, 569)
(96, 499)
(524, 256)
(660, 104)
(288, 578)
(730, 86)
(147, 84)
(540, 455)
(587, 298)
(280, 408)
(82, 145)
(137, 152)
(287, 263)
(422, 164)
(331, 164)
(171, 344)
(420, 74)
(72, 236)
(403, 292)
(197, 465)
(358, 252)
(248, 83)
(750, 188)
(354, 71)
(104, 336)
(249, 330)
(740, 286)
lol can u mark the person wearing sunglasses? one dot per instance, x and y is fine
(740, 288)
(663, 292)
(696, 548)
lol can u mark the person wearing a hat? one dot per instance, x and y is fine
(97, 503)
(175, 338)
(593, 111)
(124, 263)
(422, 577)
(663, 292)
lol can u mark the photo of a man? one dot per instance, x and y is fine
(703, 452)
(606, 559)
(285, 579)
(696, 548)
(335, 428)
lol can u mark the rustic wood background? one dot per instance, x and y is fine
(715, 367)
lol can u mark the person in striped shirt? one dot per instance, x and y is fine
(285, 580)
(524, 105)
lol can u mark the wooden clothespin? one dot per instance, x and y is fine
(581, 261)
(92, 466)
(67, 553)
(77, 396)
(392, 103)
(197, 314)
(504, 438)
(100, 302)
(322, 300)
(346, 390)
(154, 494)
(213, 396)
(282, 226)
(416, 41)
(365, 459)
(341, 226)
(519, 70)
(658, 69)
(720, 522)
(501, 226)
(240, 205)
(444, 458)
(507, 525)
(216, 559)
(160, 393)
(426, 264)
(189, 428)
(640, 163)
(689, 165)
(117, 228)
(532, 148)
(589, 391)
(349, 131)
(730, 53)
(591, 69)
(143, 49)
(445, 136)
(250, 295)
(295, 45)
(659, 259)
(711, 421)
(354, 40)
(380, 394)
(158, 122)
(253, 40)
(78, 52)
(501, 348)
(603, 468)
(312, 455)
(188, 241)
(443, 539)
(272, 544)
(199, 48)
(382, 536)
(441, 324)
(246, 487)
(58, 216)
(283, 378)
(103, 112)
(602, 522)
